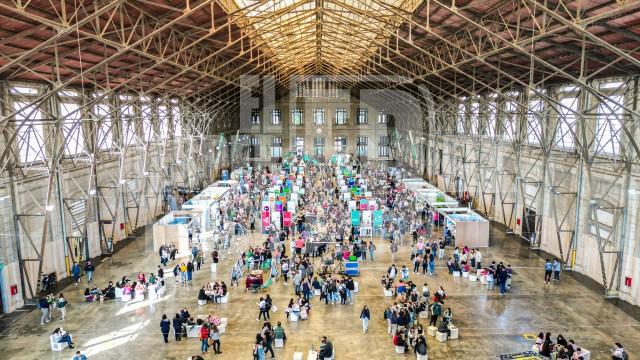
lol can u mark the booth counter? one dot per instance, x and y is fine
(174, 228)
(469, 228)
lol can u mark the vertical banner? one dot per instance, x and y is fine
(287, 218)
(366, 219)
(355, 218)
(363, 204)
(275, 217)
(266, 221)
(352, 205)
(377, 218)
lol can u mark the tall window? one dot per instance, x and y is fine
(127, 123)
(71, 117)
(341, 116)
(254, 147)
(534, 122)
(510, 120)
(255, 116)
(275, 117)
(566, 128)
(30, 133)
(318, 147)
(609, 125)
(383, 147)
(146, 113)
(297, 116)
(318, 116)
(276, 147)
(460, 124)
(362, 116)
(474, 117)
(340, 144)
(163, 120)
(176, 119)
(382, 117)
(105, 133)
(362, 144)
(299, 145)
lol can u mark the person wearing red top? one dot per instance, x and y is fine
(299, 245)
(204, 338)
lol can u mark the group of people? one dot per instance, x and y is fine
(213, 291)
(209, 332)
(563, 349)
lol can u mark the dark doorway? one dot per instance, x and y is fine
(529, 223)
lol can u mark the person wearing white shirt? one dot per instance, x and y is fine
(618, 352)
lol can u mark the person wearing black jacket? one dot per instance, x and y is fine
(177, 326)
(365, 316)
(326, 349)
(165, 326)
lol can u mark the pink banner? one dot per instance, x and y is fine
(266, 221)
(287, 218)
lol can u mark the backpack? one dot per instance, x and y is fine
(421, 348)
(625, 355)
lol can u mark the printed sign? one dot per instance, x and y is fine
(377, 218)
(266, 221)
(355, 218)
(286, 218)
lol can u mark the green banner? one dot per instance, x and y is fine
(355, 218)
(377, 218)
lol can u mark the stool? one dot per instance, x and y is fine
(279, 343)
(424, 315)
(57, 346)
(432, 330)
(214, 267)
(465, 274)
(139, 297)
(387, 293)
(399, 349)
(454, 332)
(294, 316)
(224, 299)
(202, 302)
(316, 292)
(223, 325)
(297, 356)
(422, 357)
(456, 274)
(473, 278)
(126, 297)
(483, 279)
(356, 287)
(441, 337)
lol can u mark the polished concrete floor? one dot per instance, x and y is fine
(489, 324)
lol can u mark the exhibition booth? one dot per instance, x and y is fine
(467, 227)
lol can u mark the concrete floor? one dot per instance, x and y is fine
(488, 324)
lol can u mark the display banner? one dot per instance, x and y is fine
(286, 218)
(377, 218)
(278, 205)
(368, 195)
(352, 205)
(346, 196)
(364, 204)
(275, 217)
(266, 221)
(366, 219)
(355, 218)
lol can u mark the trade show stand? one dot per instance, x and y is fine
(468, 227)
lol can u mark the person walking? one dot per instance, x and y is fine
(478, 259)
(548, 268)
(61, 304)
(79, 356)
(43, 304)
(214, 334)
(372, 249)
(89, 269)
(75, 273)
(165, 326)
(394, 249)
(556, 266)
(436, 310)
(204, 339)
(177, 327)
(262, 306)
(365, 316)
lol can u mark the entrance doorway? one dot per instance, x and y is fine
(529, 224)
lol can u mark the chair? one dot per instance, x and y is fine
(279, 343)
(454, 332)
(57, 346)
(441, 336)
(294, 316)
(432, 330)
(202, 302)
(399, 349)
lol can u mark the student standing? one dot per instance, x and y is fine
(89, 269)
(557, 266)
(165, 325)
(61, 304)
(204, 339)
(75, 272)
(365, 315)
(214, 334)
(177, 327)
(548, 268)
(43, 304)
